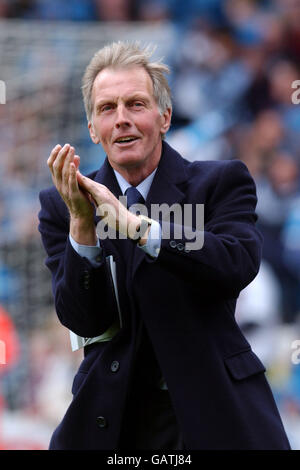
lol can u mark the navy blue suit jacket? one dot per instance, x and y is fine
(186, 300)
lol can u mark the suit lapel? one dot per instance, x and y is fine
(106, 176)
(169, 177)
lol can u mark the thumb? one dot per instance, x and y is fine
(85, 182)
(81, 179)
(86, 185)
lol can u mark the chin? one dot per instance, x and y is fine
(129, 159)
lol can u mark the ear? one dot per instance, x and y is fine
(166, 120)
(93, 134)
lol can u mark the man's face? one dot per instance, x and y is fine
(126, 119)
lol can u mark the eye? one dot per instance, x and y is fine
(137, 104)
(106, 107)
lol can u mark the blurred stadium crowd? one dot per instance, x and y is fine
(232, 63)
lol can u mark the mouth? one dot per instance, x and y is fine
(123, 141)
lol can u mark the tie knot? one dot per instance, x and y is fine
(133, 197)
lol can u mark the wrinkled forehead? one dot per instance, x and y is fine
(120, 81)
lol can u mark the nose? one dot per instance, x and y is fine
(122, 117)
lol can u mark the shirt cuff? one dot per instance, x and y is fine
(152, 247)
(92, 253)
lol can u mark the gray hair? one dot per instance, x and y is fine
(121, 55)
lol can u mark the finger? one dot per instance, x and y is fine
(59, 161)
(74, 188)
(53, 155)
(81, 184)
(77, 161)
(89, 186)
(66, 166)
(85, 182)
(80, 178)
(73, 184)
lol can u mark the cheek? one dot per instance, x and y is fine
(103, 130)
(151, 127)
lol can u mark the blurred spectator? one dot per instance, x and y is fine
(75, 10)
(277, 190)
(153, 10)
(116, 10)
(247, 19)
(3, 8)
(72, 10)
(258, 313)
(52, 366)
(256, 141)
(9, 337)
(291, 240)
(9, 354)
(21, 8)
(209, 11)
(289, 10)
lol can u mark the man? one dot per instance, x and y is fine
(177, 372)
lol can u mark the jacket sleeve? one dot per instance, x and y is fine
(230, 255)
(83, 293)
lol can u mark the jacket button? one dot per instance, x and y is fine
(101, 421)
(173, 244)
(115, 365)
(86, 279)
(180, 246)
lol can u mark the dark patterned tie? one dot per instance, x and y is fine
(133, 197)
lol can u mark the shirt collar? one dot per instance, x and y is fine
(143, 187)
